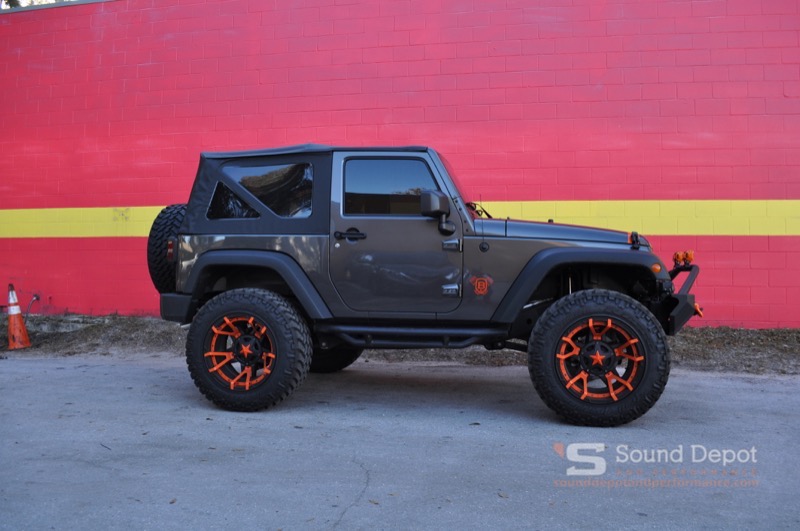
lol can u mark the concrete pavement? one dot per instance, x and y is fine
(98, 442)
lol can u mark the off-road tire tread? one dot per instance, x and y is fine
(289, 328)
(542, 347)
(164, 227)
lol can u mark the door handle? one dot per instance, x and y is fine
(350, 235)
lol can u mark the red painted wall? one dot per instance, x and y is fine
(109, 104)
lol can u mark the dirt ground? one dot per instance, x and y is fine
(773, 351)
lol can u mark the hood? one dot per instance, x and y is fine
(549, 231)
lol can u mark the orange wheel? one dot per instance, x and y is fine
(248, 349)
(240, 352)
(598, 358)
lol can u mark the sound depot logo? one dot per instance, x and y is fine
(596, 464)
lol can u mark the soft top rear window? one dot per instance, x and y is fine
(284, 189)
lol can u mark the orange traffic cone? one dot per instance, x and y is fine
(17, 333)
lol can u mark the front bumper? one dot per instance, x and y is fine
(685, 306)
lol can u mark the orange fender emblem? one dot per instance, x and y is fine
(481, 285)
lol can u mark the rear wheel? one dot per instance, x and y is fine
(164, 228)
(598, 358)
(334, 359)
(248, 349)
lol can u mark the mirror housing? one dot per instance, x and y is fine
(434, 204)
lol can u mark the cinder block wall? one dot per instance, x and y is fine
(680, 119)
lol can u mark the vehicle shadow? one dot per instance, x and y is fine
(405, 388)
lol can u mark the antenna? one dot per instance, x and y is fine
(483, 245)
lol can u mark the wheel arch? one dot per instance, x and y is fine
(555, 272)
(223, 270)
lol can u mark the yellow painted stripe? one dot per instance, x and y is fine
(664, 218)
(77, 222)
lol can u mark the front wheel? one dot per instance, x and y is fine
(598, 358)
(248, 349)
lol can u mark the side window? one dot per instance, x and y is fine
(385, 186)
(227, 205)
(284, 189)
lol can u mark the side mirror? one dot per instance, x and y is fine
(434, 204)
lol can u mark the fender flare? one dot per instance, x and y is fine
(283, 264)
(545, 261)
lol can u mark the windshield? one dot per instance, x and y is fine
(475, 209)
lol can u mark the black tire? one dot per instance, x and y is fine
(335, 359)
(164, 228)
(598, 358)
(248, 349)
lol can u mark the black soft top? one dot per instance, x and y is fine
(305, 148)
(211, 172)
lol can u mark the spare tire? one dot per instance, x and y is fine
(165, 227)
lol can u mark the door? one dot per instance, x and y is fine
(384, 255)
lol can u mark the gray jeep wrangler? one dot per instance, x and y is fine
(296, 259)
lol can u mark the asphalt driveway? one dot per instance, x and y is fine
(98, 442)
